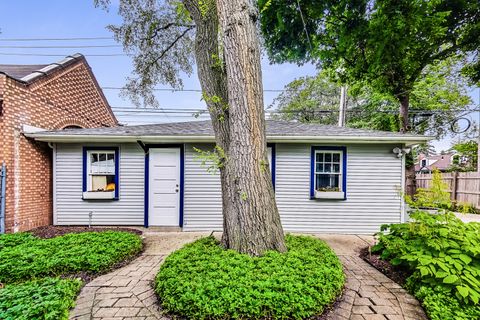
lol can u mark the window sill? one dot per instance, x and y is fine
(329, 195)
(89, 195)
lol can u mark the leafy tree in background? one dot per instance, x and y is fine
(384, 43)
(438, 97)
(467, 159)
(165, 39)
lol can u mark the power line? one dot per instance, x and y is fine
(62, 55)
(63, 47)
(56, 39)
(187, 90)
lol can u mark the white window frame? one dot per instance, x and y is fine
(329, 194)
(89, 193)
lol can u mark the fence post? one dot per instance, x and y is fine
(453, 195)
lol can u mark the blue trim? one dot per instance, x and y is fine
(117, 169)
(147, 176)
(146, 182)
(273, 165)
(312, 169)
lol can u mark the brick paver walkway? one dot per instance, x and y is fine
(127, 293)
(369, 294)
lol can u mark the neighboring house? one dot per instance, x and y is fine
(54, 96)
(326, 178)
(426, 164)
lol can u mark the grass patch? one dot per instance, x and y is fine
(38, 272)
(91, 252)
(48, 298)
(204, 281)
(442, 257)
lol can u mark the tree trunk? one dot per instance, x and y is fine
(233, 92)
(404, 104)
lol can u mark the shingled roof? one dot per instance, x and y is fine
(203, 131)
(28, 73)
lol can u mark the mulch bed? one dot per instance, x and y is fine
(397, 274)
(47, 232)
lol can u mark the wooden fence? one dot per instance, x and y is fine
(464, 187)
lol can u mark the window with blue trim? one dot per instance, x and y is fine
(328, 173)
(100, 173)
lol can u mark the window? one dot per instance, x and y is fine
(100, 176)
(423, 163)
(328, 173)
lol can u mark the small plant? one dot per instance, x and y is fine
(443, 256)
(48, 298)
(436, 196)
(204, 281)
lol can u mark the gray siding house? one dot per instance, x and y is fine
(327, 179)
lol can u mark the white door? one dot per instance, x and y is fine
(164, 187)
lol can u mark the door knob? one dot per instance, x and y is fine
(176, 190)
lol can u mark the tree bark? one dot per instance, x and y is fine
(404, 104)
(234, 96)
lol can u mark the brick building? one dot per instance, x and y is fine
(54, 96)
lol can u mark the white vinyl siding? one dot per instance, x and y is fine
(70, 209)
(373, 192)
(202, 204)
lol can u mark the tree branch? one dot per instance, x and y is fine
(164, 52)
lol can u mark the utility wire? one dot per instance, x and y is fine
(63, 47)
(56, 39)
(63, 55)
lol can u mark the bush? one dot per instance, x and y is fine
(204, 281)
(49, 298)
(89, 252)
(443, 254)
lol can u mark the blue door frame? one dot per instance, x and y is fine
(147, 148)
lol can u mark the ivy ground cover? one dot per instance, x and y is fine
(40, 276)
(204, 281)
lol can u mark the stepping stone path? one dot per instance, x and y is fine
(127, 293)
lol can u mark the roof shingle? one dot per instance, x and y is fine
(204, 128)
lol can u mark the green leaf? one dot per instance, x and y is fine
(463, 290)
(465, 258)
(450, 279)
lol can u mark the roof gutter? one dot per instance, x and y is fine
(408, 140)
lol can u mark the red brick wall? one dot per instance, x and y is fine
(67, 97)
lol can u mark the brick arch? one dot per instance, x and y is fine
(71, 122)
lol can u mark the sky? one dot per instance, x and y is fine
(80, 18)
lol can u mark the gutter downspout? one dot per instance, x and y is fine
(403, 210)
(3, 198)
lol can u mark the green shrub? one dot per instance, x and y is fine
(436, 196)
(443, 254)
(49, 298)
(81, 252)
(15, 239)
(204, 281)
(441, 305)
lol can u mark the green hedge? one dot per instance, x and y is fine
(204, 281)
(443, 255)
(48, 298)
(30, 257)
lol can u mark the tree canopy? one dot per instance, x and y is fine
(384, 43)
(438, 97)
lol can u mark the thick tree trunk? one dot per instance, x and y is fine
(253, 226)
(404, 104)
(234, 95)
